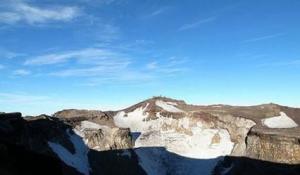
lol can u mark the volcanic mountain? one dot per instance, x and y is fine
(157, 136)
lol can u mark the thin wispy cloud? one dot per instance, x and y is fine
(171, 66)
(21, 72)
(19, 11)
(196, 23)
(9, 54)
(295, 62)
(19, 98)
(100, 31)
(152, 65)
(157, 12)
(90, 63)
(87, 55)
(102, 70)
(93, 2)
(126, 77)
(1, 66)
(104, 65)
(266, 37)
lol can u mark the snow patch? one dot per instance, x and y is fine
(78, 160)
(169, 133)
(198, 145)
(168, 106)
(282, 121)
(134, 120)
(165, 141)
(172, 103)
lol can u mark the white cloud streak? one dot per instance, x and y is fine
(196, 24)
(17, 98)
(88, 62)
(263, 38)
(157, 12)
(19, 11)
(9, 54)
(152, 65)
(295, 62)
(104, 70)
(88, 55)
(21, 72)
(103, 65)
(172, 66)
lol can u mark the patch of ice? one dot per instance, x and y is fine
(78, 160)
(282, 121)
(168, 106)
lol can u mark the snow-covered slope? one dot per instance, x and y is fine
(78, 160)
(168, 106)
(183, 136)
(134, 120)
(282, 121)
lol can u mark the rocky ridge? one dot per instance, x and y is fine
(150, 136)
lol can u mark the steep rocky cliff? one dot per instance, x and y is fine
(273, 147)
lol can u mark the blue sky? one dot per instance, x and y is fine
(107, 54)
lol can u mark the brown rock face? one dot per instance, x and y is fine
(74, 116)
(238, 129)
(106, 138)
(282, 149)
(97, 129)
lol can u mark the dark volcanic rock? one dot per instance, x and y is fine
(24, 147)
(16, 153)
(247, 166)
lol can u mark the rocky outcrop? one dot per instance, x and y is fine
(97, 129)
(273, 147)
(101, 137)
(74, 116)
(238, 128)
